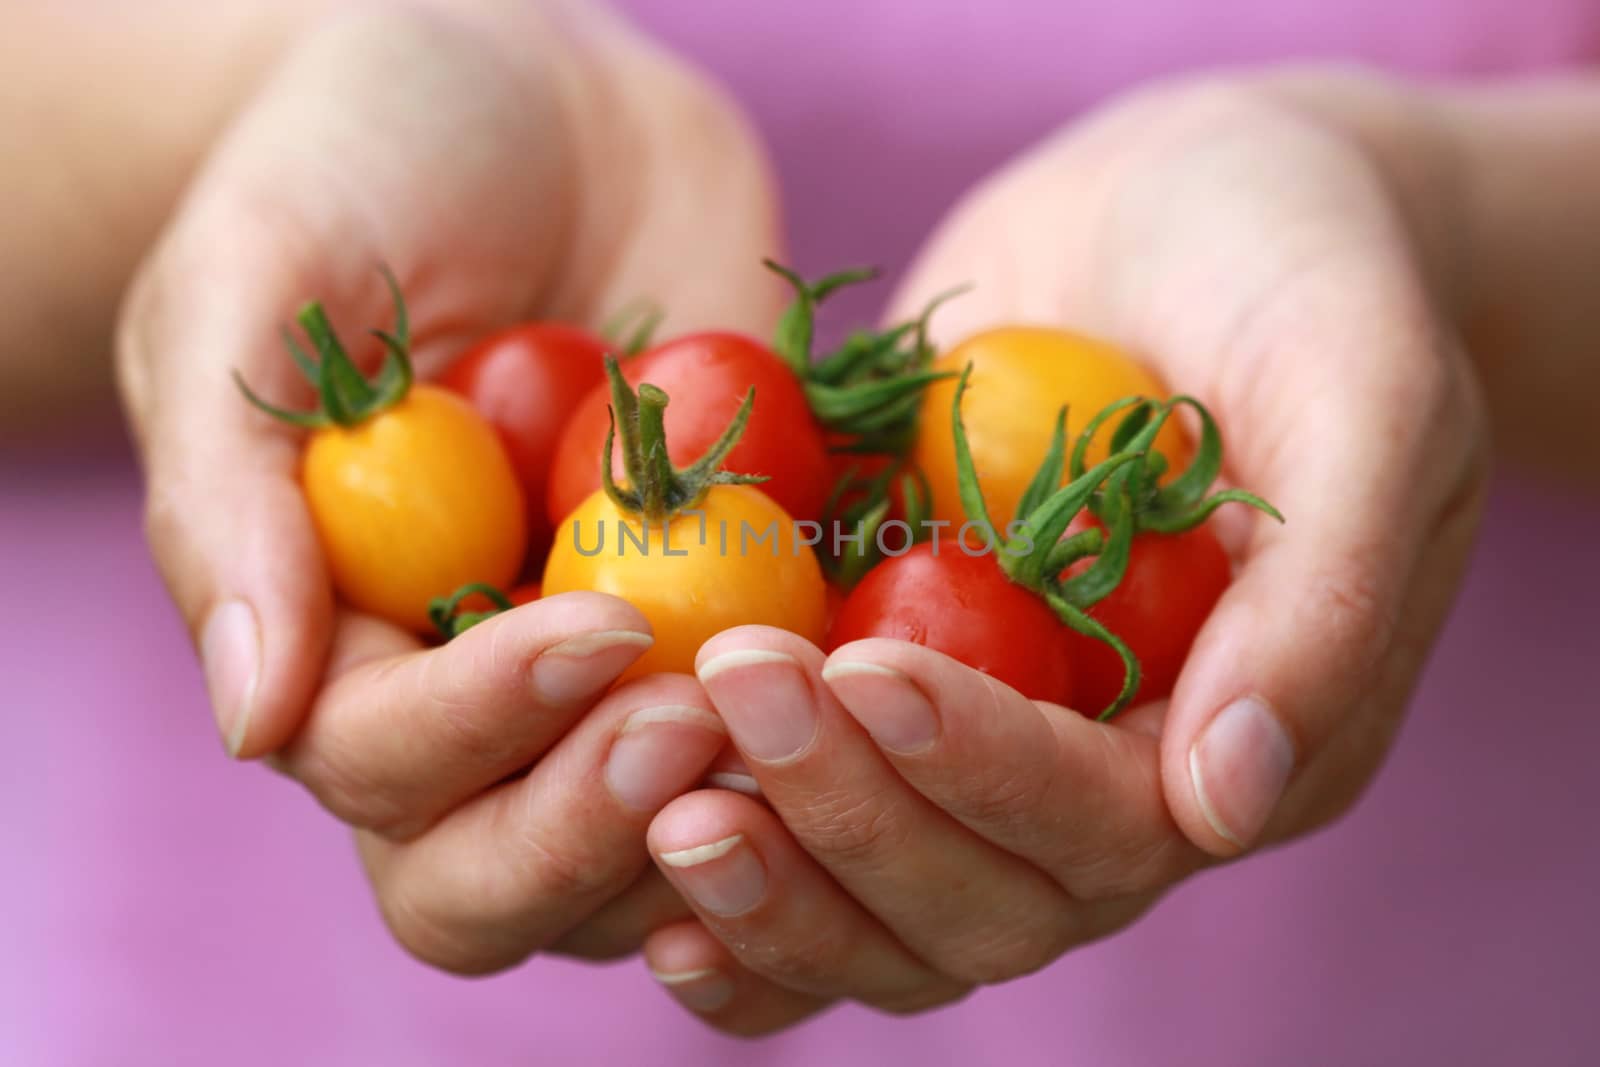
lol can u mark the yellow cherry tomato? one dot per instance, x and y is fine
(412, 503)
(1021, 375)
(752, 566)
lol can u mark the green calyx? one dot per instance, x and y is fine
(1182, 503)
(632, 327)
(869, 390)
(1036, 549)
(862, 505)
(447, 617)
(656, 489)
(345, 396)
(1124, 492)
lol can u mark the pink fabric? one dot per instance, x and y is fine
(162, 906)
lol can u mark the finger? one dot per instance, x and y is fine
(620, 926)
(703, 976)
(224, 516)
(1288, 702)
(967, 907)
(1082, 800)
(393, 743)
(731, 772)
(511, 872)
(1325, 626)
(777, 911)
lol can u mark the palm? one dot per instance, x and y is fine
(502, 173)
(1259, 266)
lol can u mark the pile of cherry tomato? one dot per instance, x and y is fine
(714, 479)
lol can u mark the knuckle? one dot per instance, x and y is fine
(1348, 605)
(467, 731)
(852, 827)
(438, 940)
(348, 791)
(1136, 868)
(812, 965)
(563, 873)
(1013, 797)
(1001, 951)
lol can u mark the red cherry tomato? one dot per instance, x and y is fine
(834, 601)
(526, 380)
(1172, 583)
(965, 607)
(707, 376)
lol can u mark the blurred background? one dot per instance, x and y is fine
(162, 905)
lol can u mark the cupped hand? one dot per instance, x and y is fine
(507, 161)
(929, 828)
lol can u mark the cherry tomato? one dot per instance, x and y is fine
(1020, 378)
(526, 380)
(417, 498)
(708, 375)
(834, 600)
(964, 606)
(750, 568)
(1172, 583)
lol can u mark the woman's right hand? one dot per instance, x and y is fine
(507, 161)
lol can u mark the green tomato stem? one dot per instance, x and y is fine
(445, 614)
(345, 396)
(656, 489)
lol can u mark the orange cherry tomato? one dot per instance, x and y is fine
(1021, 375)
(752, 567)
(417, 499)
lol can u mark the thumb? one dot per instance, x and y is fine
(1300, 677)
(224, 516)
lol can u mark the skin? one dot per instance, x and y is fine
(1353, 240)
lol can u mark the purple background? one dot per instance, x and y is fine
(164, 906)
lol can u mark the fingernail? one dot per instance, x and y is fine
(703, 990)
(724, 877)
(886, 703)
(581, 666)
(739, 783)
(650, 761)
(763, 697)
(230, 655)
(1240, 765)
